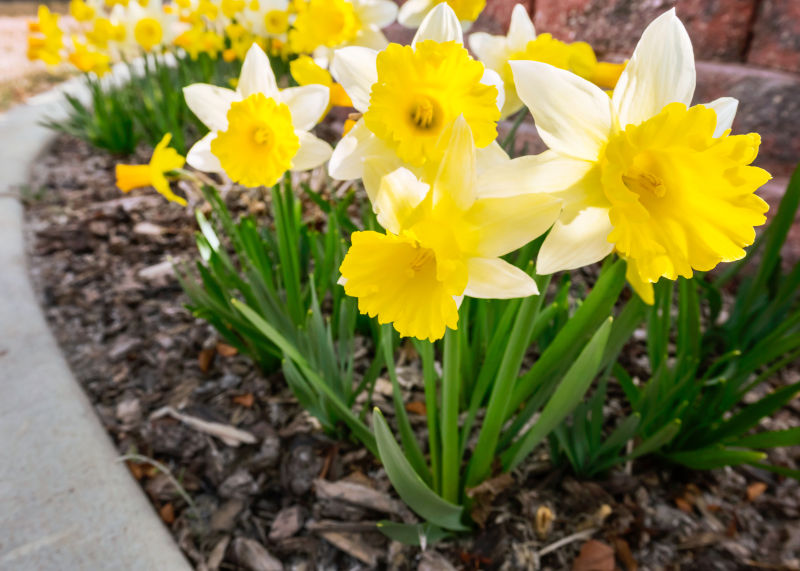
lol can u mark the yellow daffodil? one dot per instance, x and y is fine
(664, 184)
(148, 28)
(413, 12)
(45, 38)
(164, 160)
(197, 40)
(267, 19)
(410, 95)
(522, 43)
(323, 25)
(306, 71)
(81, 11)
(88, 60)
(258, 132)
(443, 241)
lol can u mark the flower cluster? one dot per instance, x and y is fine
(632, 168)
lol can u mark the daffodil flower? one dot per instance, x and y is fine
(413, 12)
(410, 95)
(522, 43)
(258, 132)
(164, 160)
(148, 27)
(443, 240)
(324, 25)
(664, 184)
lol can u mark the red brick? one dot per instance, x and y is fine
(719, 29)
(776, 35)
(768, 104)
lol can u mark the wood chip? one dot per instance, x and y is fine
(167, 513)
(226, 433)
(755, 489)
(245, 400)
(217, 554)
(357, 495)
(417, 407)
(288, 522)
(352, 544)
(251, 555)
(226, 350)
(594, 556)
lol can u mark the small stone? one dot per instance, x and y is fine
(157, 272)
(129, 413)
(148, 229)
(288, 522)
(253, 556)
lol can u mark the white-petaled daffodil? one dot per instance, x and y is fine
(413, 12)
(410, 95)
(258, 132)
(522, 43)
(663, 184)
(444, 238)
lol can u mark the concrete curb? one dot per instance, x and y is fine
(66, 503)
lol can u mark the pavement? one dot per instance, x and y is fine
(66, 502)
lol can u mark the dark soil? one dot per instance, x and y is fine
(101, 264)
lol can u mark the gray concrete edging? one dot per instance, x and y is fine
(66, 502)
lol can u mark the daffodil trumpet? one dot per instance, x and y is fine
(642, 173)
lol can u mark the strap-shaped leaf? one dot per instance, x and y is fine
(771, 439)
(421, 534)
(715, 457)
(409, 485)
(569, 393)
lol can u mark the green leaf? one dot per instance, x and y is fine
(657, 441)
(567, 395)
(410, 444)
(420, 534)
(714, 457)
(771, 439)
(409, 486)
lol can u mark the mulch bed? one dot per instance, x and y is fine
(101, 263)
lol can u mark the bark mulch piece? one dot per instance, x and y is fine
(260, 487)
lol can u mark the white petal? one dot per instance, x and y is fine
(573, 116)
(547, 172)
(313, 152)
(725, 108)
(489, 49)
(399, 193)
(307, 104)
(520, 30)
(505, 224)
(347, 161)
(371, 37)
(256, 75)
(578, 243)
(440, 25)
(355, 69)
(413, 12)
(661, 71)
(375, 168)
(490, 156)
(491, 77)
(201, 157)
(210, 103)
(378, 13)
(493, 278)
(456, 176)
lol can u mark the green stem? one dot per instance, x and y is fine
(451, 383)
